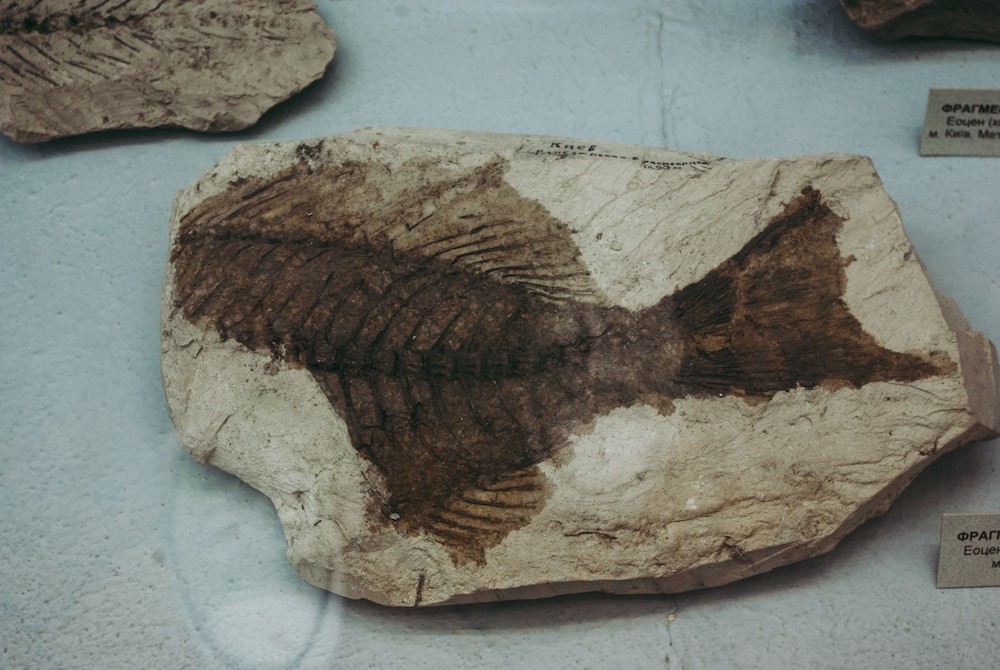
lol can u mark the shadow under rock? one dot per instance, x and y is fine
(549, 613)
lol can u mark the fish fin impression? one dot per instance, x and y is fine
(773, 317)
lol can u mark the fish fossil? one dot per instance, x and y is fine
(75, 66)
(458, 333)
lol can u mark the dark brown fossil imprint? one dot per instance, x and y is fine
(464, 342)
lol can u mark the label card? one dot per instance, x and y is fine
(970, 551)
(961, 122)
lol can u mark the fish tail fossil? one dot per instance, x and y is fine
(773, 317)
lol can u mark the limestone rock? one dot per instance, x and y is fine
(469, 367)
(69, 67)
(963, 19)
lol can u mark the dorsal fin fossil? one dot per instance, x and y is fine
(458, 330)
(69, 67)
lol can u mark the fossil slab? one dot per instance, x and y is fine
(468, 367)
(69, 67)
(964, 19)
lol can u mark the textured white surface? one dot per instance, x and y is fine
(117, 550)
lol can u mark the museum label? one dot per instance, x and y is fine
(970, 551)
(961, 122)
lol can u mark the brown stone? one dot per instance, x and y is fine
(69, 67)
(468, 366)
(963, 19)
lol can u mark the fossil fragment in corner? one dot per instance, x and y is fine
(69, 67)
(465, 365)
(962, 19)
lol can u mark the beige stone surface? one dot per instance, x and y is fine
(963, 19)
(69, 67)
(469, 367)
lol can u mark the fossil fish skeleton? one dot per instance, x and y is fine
(457, 331)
